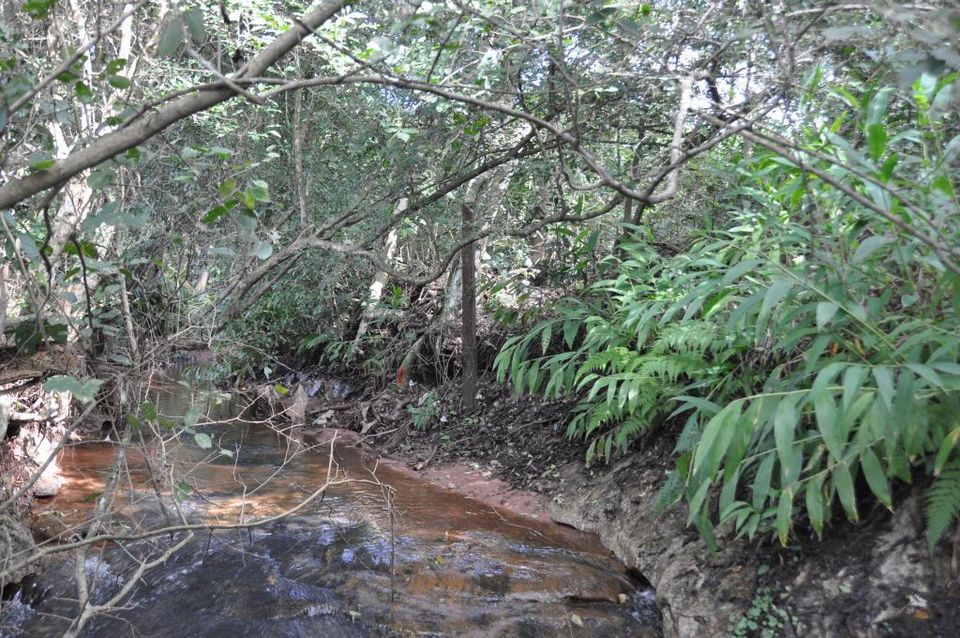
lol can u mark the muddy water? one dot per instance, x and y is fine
(380, 553)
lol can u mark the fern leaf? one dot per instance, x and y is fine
(670, 493)
(943, 502)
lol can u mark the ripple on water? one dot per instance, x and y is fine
(438, 564)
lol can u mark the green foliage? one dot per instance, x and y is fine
(765, 618)
(282, 329)
(633, 356)
(943, 502)
(425, 411)
(83, 391)
(805, 353)
(811, 347)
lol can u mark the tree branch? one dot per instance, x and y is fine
(104, 148)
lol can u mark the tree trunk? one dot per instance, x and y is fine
(468, 269)
(379, 282)
(299, 184)
(452, 296)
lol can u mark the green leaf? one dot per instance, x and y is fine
(843, 484)
(101, 177)
(946, 447)
(784, 511)
(716, 437)
(41, 165)
(220, 152)
(827, 417)
(132, 420)
(227, 188)
(853, 378)
(41, 162)
(778, 289)
(203, 440)
(775, 293)
(149, 412)
(825, 312)
(259, 191)
(942, 502)
(784, 428)
(698, 499)
(813, 497)
(545, 337)
(83, 391)
(928, 374)
(738, 271)
(876, 141)
(182, 490)
(761, 482)
(728, 494)
(884, 378)
(170, 38)
(194, 20)
(115, 65)
(214, 214)
(38, 8)
(192, 416)
(875, 476)
(705, 527)
(846, 96)
(118, 82)
(83, 92)
(877, 106)
(869, 246)
(570, 329)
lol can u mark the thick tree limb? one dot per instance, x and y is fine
(143, 129)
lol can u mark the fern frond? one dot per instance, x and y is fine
(669, 494)
(943, 502)
(685, 336)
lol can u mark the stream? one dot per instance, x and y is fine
(380, 553)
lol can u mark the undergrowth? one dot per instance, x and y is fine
(809, 350)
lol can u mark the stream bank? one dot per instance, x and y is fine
(871, 579)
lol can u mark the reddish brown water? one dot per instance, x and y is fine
(382, 552)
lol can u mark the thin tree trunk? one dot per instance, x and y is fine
(468, 269)
(379, 281)
(624, 230)
(4, 269)
(299, 183)
(128, 320)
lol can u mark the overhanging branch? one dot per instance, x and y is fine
(102, 149)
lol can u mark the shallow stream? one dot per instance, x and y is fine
(380, 553)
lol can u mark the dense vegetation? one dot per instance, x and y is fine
(732, 223)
